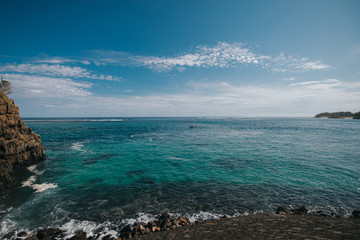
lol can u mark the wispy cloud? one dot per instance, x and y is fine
(53, 60)
(30, 86)
(222, 99)
(127, 91)
(323, 84)
(57, 70)
(283, 63)
(222, 55)
(328, 84)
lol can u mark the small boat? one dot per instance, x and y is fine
(193, 126)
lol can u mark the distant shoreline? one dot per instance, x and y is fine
(342, 115)
(337, 117)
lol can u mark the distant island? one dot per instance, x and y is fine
(338, 115)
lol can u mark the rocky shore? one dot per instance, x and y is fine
(18, 144)
(285, 224)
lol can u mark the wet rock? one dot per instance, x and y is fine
(33, 237)
(164, 221)
(140, 229)
(94, 237)
(9, 235)
(164, 224)
(153, 227)
(321, 214)
(301, 211)
(164, 216)
(80, 235)
(22, 234)
(47, 233)
(335, 215)
(183, 221)
(126, 232)
(282, 210)
(108, 237)
(356, 214)
(175, 222)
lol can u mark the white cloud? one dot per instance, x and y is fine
(223, 99)
(53, 60)
(98, 63)
(221, 55)
(30, 86)
(284, 63)
(46, 69)
(324, 84)
(56, 70)
(306, 66)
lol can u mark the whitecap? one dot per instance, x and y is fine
(77, 146)
(43, 186)
(177, 158)
(30, 181)
(141, 217)
(202, 216)
(6, 226)
(34, 169)
(70, 228)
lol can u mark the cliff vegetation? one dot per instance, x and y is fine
(338, 115)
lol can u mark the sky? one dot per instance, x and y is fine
(161, 58)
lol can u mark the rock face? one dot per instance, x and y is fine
(18, 144)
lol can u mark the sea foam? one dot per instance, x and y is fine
(42, 187)
(32, 179)
(77, 146)
(91, 228)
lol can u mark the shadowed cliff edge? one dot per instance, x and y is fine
(18, 144)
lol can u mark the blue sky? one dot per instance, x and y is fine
(181, 58)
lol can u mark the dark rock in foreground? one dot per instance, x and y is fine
(165, 222)
(356, 214)
(265, 226)
(286, 224)
(18, 144)
(79, 236)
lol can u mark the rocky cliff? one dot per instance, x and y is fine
(18, 144)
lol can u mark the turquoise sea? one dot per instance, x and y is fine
(101, 174)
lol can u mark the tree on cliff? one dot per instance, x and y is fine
(357, 115)
(5, 86)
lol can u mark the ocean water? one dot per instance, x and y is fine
(101, 174)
